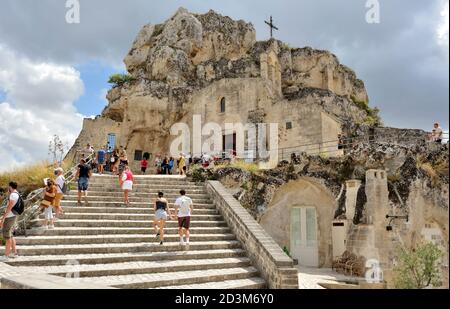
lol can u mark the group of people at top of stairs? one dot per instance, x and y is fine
(115, 160)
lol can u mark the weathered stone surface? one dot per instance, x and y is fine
(189, 63)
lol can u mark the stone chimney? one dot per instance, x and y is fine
(377, 207)
(352, 187)
(377, 197)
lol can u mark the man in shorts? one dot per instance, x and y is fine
(7, 223)
(184, 206)
(83, 174)
(101, 156)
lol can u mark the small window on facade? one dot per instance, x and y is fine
(138, 155)
(288, 125)
(222, 105)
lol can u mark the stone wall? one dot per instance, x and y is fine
(274, 265)
(394, 136)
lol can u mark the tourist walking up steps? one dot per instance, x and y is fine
(184, 206)
(126, 182)
(47, 203)
(8, 221)
(60, 187)
(182, 164)
(84, 172)
(162, 214)
(101, 156)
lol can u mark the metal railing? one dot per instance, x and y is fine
(326, 148)
(34, 199)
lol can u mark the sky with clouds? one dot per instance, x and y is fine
(52, 74)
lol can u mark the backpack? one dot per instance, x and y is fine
(19, 208)
(64, 188)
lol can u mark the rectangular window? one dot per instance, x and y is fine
(288, 125)
(138, 155)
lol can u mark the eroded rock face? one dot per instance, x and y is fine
(307, 67)
(172, 51)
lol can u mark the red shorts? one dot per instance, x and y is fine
(184, 222)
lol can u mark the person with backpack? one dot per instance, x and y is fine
(47, 203)
(61, 188)
(14, 208)
(184, 206)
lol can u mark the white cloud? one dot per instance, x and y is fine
(39, 104)
(443, 28)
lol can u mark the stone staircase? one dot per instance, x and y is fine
(111, 244)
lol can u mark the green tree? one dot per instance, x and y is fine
(419, 268)
(120, 79)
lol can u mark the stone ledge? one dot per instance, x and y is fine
(273, 264)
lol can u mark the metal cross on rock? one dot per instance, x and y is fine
(272, 26)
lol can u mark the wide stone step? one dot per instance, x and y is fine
(92, 259)
(119, 238)
(119, 193)
(141, 188)
(241, 284)
(173, 278)
(73, 231)
(121, 248)
(127, 210)
(149, 199)
(139, 267)
(115, 180)
(133, 217)
(125, 223)
(198, 204)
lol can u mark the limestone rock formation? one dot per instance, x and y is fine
(190, 63)
(172, 51)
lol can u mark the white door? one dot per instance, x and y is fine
(304, 236)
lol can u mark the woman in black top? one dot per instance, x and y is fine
(162, 214)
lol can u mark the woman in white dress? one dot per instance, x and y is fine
(126, 183)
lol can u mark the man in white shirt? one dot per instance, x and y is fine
(60, 183)
(437, 134)
(184, 206)
(8, 221)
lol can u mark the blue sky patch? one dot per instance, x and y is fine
(95, 77)
(2, 96)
